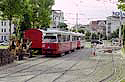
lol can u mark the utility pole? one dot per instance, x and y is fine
(120, 38)
(77, 21)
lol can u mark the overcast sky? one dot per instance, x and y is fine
(87, 9)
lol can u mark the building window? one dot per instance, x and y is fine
(1, 37)
(2, 23)
(5, 30)
(5, 38)
(2, 30)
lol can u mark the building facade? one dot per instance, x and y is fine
(57, 18)
(113, 23)
(101, 27)
(5, 30)
(98, 26)
(86, 28)
(93, 25)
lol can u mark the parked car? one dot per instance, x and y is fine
(97, 41)
(4, 43)
(115, 42)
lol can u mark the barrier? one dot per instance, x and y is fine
(5, 57)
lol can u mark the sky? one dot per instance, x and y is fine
(87, 10)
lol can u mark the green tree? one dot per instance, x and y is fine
(44, 13)
(87, 35)
(74, 30)
(9, 10)
(62, 25)
(27, 13)
(95, 36)
(122, 6)
(81, 31)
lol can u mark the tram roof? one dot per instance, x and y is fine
(57, 32)
(61, 32)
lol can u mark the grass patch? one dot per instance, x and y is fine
(122, 81)
(123, 52)
(1, 47)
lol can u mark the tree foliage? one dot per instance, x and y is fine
(81, 31)
(122, 6)
(27, 13)
(62, 25)
(10, 9)
(87, 35)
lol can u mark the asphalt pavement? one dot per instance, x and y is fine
(79, 66)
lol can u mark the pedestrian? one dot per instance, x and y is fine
(94, 49)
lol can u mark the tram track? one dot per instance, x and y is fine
(42, 72)
(66, 59)
(51, 66)
(91, 73)
(116, 76)
(116, 73)
(110, 75)
(94, 70)
(25, 68)
(11, 66)
(65, 71)
(114, 70)
(69, 69)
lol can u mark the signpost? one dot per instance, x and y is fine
(120, 15)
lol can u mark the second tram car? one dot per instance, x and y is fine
(56, 42)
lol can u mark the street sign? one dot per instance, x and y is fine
(118, 14)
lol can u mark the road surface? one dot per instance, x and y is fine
(79, 66)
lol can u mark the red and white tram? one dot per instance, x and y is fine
(58, 42)
(54, 42)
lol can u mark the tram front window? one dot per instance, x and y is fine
(50, 39)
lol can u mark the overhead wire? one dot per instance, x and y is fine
(89, 18)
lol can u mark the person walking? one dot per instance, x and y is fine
(94, 49)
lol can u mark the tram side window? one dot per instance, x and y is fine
(68, 38)
(82, 38)
(64, 38)
(73, 38)
(59, 38)
(50, 39)
(78, 38)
